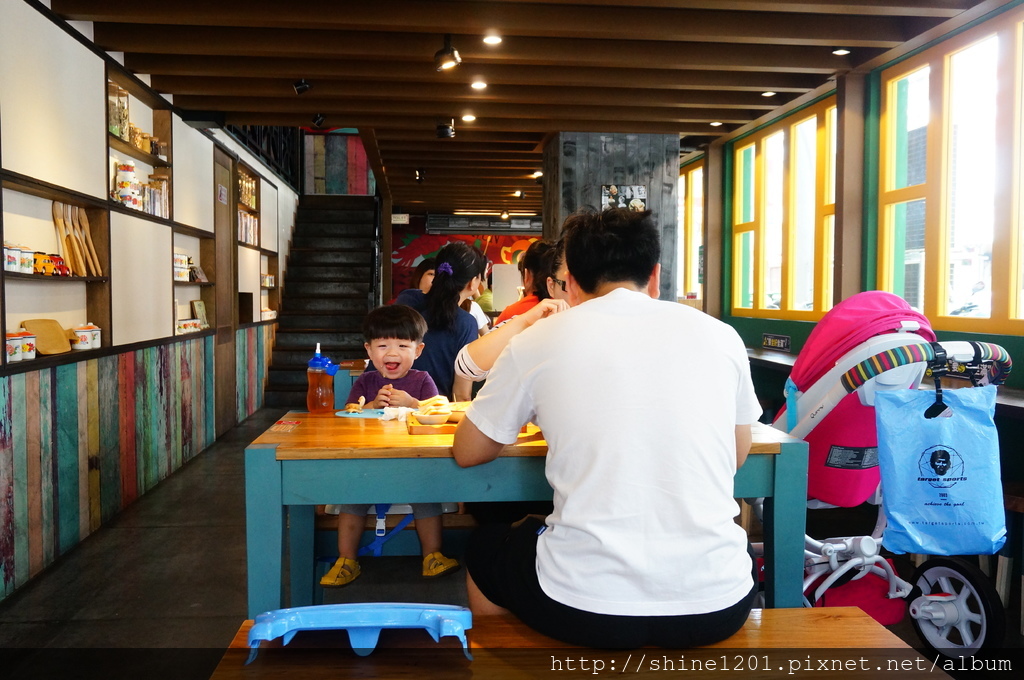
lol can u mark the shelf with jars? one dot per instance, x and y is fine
(248, 206)
(139, 142)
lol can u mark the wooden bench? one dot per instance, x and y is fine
(502, 647)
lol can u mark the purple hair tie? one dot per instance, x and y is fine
(444, 268)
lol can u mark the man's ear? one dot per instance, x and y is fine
(654, 283)
(573, 289)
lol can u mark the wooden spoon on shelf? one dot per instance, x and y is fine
(83, 225)
(58, 224)
(76, 221)
(71, 244)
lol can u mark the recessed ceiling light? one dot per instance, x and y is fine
(517, 193)
(715, 123)
(840, 51)
(769, 93)
(478, 85)
(504, 214)
(469, 118)
(537, 174)
(492, 39)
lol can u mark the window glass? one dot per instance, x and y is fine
(745, 270)
(774, 169)
(830, 157)
(910, 132)
(972, 181)
(907, 229)
(696, 241)
(745, 185)
(805, 156)
(681, 243)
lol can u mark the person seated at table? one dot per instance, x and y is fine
(642, 547)
(394, 338)
(486, 295)
(531, 269)
(458, 271)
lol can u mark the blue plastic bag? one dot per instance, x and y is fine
(941, 486)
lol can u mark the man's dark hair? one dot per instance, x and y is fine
(394, 321)
(613, 245)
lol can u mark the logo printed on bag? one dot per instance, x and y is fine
(941, 466)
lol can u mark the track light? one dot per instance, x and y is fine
(446, 130)
(504, 214)
(447, 57)
(318, 119)
(840, 51)
(419, 176)
(301, 86)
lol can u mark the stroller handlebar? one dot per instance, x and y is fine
(966, 355)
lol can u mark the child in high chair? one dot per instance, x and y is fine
(394, 338)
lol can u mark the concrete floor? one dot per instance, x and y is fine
(160, 591)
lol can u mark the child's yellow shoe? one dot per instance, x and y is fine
(435, 564)
(344, 571)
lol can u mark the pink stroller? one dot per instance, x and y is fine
(874, 341)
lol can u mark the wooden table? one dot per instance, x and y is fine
(773, 643)
(306, 460)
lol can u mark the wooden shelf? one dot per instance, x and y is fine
(201, 284)
(34, 187)
(250, 246)
(138, 154)
(41, 278)
(248, 208)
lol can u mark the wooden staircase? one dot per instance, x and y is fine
(330, 283)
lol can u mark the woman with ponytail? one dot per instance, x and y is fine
(459, 268)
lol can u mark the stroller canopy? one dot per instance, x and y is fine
(851, 322)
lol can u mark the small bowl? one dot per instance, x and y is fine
(436, 419)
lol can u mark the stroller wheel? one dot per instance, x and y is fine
(954, 608)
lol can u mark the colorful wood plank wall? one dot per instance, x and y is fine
(253, 348)
(336, 164)
(80, 442)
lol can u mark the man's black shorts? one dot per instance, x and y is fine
(502, 561)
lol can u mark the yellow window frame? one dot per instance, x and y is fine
(1006, 265)
(691, 226)
(824, 215)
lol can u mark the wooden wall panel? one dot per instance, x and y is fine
(577, 164)
(80, 442)
(253, 346)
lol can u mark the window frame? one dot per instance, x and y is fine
(691, 229)
(823, 110)
(1006, 263)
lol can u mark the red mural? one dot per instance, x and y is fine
(411, 248)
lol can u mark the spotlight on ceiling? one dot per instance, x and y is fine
(504, 214)
(301, 86)
(840, 51)
(715, 123)
(538, 174)
(469, 118)
(446, 130)
(492, 39)
(318, 119)
(447, 57)
(478, 85)
(419, 176)
(768, 93)
(519, 193)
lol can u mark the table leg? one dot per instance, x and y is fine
(785, 525)
(300, 553)
(264, 529)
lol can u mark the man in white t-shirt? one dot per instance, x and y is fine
(646, 406)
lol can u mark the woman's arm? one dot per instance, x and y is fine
(485, 350)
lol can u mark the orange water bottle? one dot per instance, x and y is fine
(320, 374)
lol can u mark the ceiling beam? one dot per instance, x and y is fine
(493, 73)
(564, 52)
(515, 21)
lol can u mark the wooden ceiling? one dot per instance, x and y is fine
(656, 66)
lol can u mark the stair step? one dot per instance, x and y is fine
(307, 288)
(328, 304)
(321, 256)
(288, 337)
(334, 227)
(327, 272)
(314, 242)
(309, 214)
(338, 202)
(343, 322)
(285, 398)
(284, 357)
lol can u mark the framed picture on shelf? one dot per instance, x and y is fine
(199, 313)
(197, 274)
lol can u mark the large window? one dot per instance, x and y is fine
(690, 241)
(949, 215)
(783, 216)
